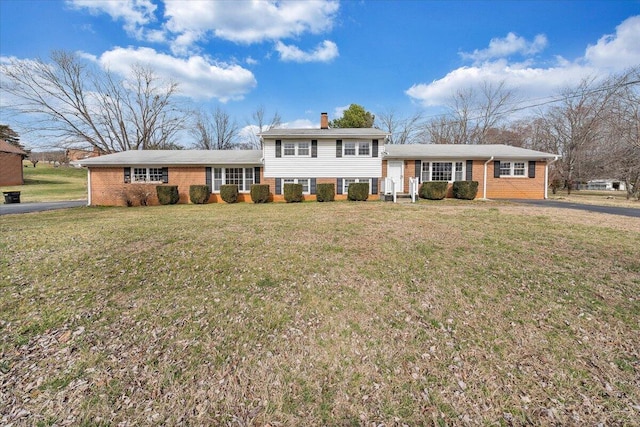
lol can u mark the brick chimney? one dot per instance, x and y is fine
(324, 121)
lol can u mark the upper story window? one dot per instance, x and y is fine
(296, 149)
(517, 168)
(442, 171)
(356, 148)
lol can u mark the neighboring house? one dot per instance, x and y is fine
(75, 154)
(606, 184)
(502, 171)
(314, 156)
(11, 169)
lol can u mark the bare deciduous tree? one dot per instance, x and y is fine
(407, 130)
(623, 133)
(574, 127)
(257, 124)
(82, 105)
(473, 115)
(215, 131)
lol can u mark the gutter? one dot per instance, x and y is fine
(484, 183)
(546, 176)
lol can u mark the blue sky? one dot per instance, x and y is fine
(304, 58)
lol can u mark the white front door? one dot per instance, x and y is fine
(395, 171)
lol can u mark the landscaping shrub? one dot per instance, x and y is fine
(293, 193)
(433, 190)
(260, 193)
(199, 194)
(326, 192)
(229, 193)
(167, 194)
(137, 194)
(358, 191)
(466, 190)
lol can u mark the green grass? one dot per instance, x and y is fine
(320, 314)
(46, 183)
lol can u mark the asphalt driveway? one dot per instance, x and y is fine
(19, 208)
(612, 210)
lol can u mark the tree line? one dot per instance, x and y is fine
(594, 126)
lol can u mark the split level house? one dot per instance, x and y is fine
(313, 156)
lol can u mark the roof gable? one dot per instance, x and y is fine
(5, 147)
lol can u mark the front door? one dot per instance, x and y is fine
(395, 171)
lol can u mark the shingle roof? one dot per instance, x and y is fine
(325, 133)
(176, 158)
(5, 147)
(498, 151)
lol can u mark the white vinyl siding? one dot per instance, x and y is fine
(326, 165)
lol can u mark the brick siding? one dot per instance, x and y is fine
(11, 172)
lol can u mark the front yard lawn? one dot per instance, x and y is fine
(319, 314)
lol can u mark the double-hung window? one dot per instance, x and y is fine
(303, 181)
(242, 177)
(352, 148)
(443, 171)
(347, 181)
(517, 168)
(147, 175)
(296, 149)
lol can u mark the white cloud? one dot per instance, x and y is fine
(530, 82)
(197, 76)
(246, 21)
(612, 53)
(507, 46)
(324, 52)
(135, 13)
(300, 124)
(620, 50)
(339, 111)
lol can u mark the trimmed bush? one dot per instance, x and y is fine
(466, 190)
(260, 193)
(293, 193)
(358, 191)
(199, 194)
(229, 193)
(326, 192)
(433, 190)
(167, 194)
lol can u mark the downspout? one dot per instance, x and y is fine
(546, 177)
(484, 183)
(88, 187)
